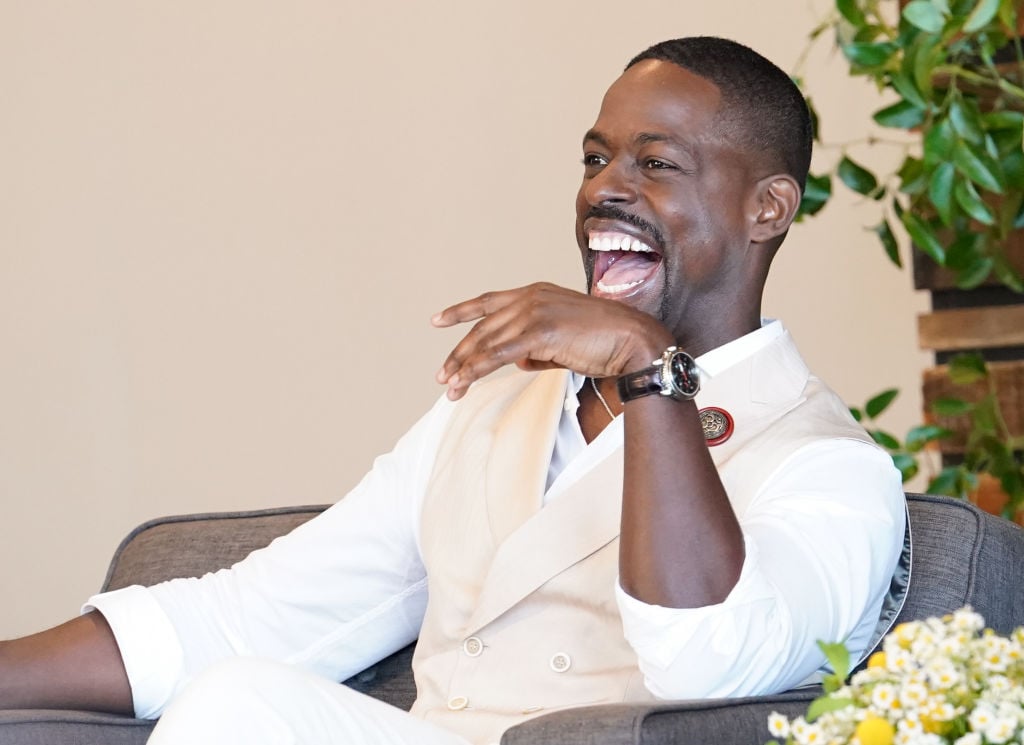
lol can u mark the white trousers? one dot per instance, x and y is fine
(252, 701)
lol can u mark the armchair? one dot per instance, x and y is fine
(960, 555)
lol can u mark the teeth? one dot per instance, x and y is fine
(617, 242)
(612, 289)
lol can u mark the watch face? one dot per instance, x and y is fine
(684, 374)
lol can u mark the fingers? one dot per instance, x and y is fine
(470, 310)
(505, 332)
(542, 326)
(497, 339)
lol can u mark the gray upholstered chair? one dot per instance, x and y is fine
(960, 556)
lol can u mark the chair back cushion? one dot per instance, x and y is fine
(964, 556)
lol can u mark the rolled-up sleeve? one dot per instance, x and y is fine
(334, 596)
(822, 537)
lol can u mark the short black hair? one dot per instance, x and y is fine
(763, 111)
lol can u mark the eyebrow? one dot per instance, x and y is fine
(644, 138)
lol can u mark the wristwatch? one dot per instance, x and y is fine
(674, 375)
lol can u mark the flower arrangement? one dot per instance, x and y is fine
(943, 681)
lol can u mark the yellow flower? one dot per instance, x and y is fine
(877, 660)
(875, 731)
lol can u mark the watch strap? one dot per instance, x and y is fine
(640, 383)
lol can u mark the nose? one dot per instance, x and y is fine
(613, 184)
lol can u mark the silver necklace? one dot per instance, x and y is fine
(593, 384)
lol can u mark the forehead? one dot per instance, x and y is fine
(657, 97)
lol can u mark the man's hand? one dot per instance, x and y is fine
(542, 326)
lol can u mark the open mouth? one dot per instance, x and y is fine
(622, 263)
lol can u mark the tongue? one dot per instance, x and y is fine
(627, 268)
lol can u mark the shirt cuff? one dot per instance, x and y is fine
(149, 646)
(704, 638)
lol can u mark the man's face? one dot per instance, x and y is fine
(661, 213)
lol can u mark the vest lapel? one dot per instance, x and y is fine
(524, 438)
(534, 544)
(571, 527)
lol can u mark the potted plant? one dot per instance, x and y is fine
(952, 72)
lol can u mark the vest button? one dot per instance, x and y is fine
(473, 646)
(560, 662)
(458, 703)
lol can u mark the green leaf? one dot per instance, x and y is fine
(940, 191)
(978, 166)
(825, 704)
(817, 192)
(970, 201)
(868, 54)
(1008, 13)
(946, 407)
(967, 367)
(964, 251)
(923, 237)
(912, 176)
(881, 402)
(884, 439)
(904, 85)
(906, 464)
(949, 481)
(1013, 167)
(924, 15)
(922, 434)
(981, 16)
(1002, 120)
(856, 413)
(1009, 276)
(930, 52)
(838, 657)
(939, 142)
(849, 10)
(888, 241)
(966, 120)
(855, 176)
(901, 115)
(975, 273)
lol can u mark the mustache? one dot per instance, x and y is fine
(610, 212)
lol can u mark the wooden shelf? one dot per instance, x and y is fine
(972, 328)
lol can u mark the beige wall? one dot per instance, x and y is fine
(224, 226)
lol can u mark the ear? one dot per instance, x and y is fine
(775, 206)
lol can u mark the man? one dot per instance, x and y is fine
(666, 504)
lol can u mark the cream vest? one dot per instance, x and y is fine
(522, 617)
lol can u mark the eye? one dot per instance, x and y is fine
(593, 160)
(655, 164)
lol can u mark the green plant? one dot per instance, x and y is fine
(989, 446)
(953, 69)
(940, 681)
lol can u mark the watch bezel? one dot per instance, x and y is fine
(680, 390)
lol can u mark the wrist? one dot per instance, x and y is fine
(673, 374)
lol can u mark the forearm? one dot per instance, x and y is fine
(76, 665)
(680, 544)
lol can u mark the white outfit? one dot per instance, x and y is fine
(832, 504)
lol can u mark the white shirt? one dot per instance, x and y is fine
(347, 588)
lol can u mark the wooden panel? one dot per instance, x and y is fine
(1008, 380)
(972, 328)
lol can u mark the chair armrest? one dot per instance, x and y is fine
(192, 545)
(734, 721)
